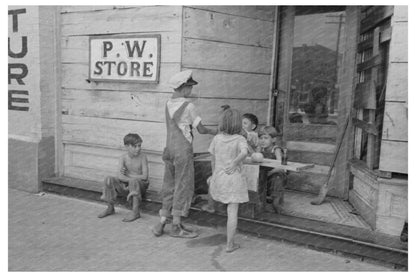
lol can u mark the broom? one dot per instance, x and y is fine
(324, 189)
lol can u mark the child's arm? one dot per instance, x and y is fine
(233, 165)
(204, 130)
(122, 170)
(145, 168)
(212, 163)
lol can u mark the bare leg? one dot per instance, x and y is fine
(109, 195)
(232, 213)
(209, 207)
(135, 213)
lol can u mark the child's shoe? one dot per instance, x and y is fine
(157, 230)
(178, 231)
(131, 217)
(107, 212)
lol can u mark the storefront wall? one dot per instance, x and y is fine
(383, 200)
(229, 50)
(32, 95)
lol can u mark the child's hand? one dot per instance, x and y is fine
(123, 170)
(230, 168)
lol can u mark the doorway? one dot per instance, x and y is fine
(314, 77)
(312, 43)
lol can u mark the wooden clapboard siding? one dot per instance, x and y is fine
(128, 20)
(97, 115)
(115, 104)
(110, 132)
(394, 149)
(393, 156)
(208, 25)
(151, 106)
(72, 9)
(229, 49)
(74, 76)
(257, 12)
(213, 55)
(95, 163)
(399, 41)
(397, 82)
(395, 123)
(75, 49)
(226, 85)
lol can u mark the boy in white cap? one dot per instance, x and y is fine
(178, 180)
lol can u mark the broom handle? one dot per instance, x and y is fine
(337, 150)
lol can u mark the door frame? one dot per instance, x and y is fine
(279, 96)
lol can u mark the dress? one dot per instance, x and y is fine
(227, 188)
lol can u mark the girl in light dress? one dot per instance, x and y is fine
(228, 150)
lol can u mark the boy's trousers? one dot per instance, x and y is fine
(178, 180)
(274, 185)
(113, 187)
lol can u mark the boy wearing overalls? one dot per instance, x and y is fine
(178, 180)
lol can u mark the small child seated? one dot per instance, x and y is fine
(272, 181)
(132, 180)
(249, 125)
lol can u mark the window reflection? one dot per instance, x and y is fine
(318, 48)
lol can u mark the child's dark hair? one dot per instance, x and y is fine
(252, 118)
(132, 139)
(230, 122)
(269, 130)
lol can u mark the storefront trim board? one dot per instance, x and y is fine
(32, 95)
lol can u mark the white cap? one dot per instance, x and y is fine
(183, 77)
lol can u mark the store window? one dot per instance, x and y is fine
(317, 56)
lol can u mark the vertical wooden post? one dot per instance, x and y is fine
(372, 112)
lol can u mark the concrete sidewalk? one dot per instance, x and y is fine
(57, 233)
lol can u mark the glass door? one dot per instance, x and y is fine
(310, 60)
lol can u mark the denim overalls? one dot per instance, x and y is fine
(178, 180)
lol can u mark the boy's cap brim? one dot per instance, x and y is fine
(183, 78)
(190, 82)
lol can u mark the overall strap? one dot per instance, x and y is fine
(176, 116)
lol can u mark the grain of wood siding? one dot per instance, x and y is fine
(110, 132)
(104, 159)
(97, 176)
(399, 42)
(393, 156)
(115, 21)
(73, 9)
(220, 84)
(395, 122)
(257, 12)
(75, 49)
(400, 13)
(208, 25)
(224, 56)
(74, 76)
(397, 82)
(151, 106)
